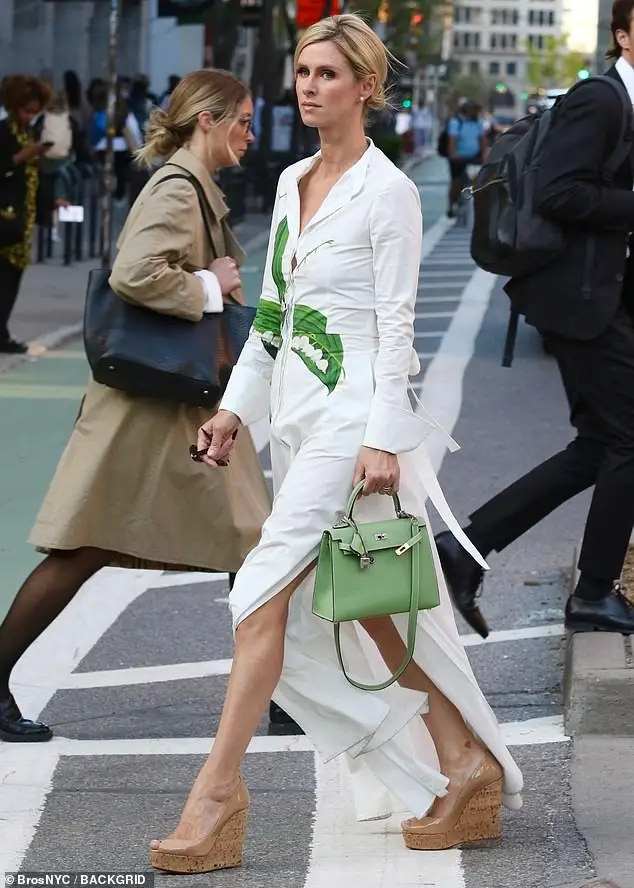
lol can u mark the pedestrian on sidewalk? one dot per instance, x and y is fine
(466, 145)
(582, 303)
(126, 492)
(24, 97)
(344, 258)
(57, 173)
(422, 126)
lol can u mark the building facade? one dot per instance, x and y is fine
(490, 38)
(38, 36)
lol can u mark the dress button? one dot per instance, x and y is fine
(620, 278)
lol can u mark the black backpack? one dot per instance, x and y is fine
(510, 237)
(443, 138)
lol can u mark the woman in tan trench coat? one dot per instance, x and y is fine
(126, 492)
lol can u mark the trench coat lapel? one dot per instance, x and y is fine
(219, 209)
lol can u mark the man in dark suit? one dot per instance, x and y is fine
(583, 305)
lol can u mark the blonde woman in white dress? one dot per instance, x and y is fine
(328, 359)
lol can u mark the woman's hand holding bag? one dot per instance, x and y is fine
(228, 274)
(379, 469)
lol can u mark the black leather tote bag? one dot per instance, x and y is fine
(148, 354)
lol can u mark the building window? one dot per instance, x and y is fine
(536, 41)
(494, 67)
(541, 17)
(511, 69)
(474, 67)
(505, 17)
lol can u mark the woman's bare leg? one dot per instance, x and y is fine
(256, 670)
(458, 750)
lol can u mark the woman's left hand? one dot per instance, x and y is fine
(380, 469)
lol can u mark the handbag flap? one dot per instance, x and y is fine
(389, 534)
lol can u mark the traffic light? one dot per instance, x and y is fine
(417, 20)
(501, 87)
(583, 74)
(407, 104)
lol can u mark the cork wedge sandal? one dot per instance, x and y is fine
(222, 848)
(475, 817)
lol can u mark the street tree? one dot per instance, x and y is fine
(553, 67)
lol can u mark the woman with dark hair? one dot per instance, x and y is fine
(24, 97)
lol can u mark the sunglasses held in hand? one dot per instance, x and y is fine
(197, 455)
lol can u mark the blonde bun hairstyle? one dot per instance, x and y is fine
(356, 41)
(210, 89)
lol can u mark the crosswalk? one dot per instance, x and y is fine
(133, 676)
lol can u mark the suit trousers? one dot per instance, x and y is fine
(598, 376)
(10, 279)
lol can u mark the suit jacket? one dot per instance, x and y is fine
(578, 294)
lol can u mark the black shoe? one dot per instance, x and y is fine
(613, 613)
(15, 729)
(13, 347)
(463, 576)
(280, 722)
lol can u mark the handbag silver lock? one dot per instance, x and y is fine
(366, 561)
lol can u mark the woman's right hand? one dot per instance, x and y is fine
(228, 274)
(30, 152)
(217, 437)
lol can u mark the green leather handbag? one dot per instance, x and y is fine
(375, 570)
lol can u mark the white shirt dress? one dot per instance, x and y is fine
(329, 359)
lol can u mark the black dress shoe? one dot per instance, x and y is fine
(613, 613)
(15, 729)
(13, 347)
(463, 576)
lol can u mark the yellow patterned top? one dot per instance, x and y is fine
(20, 254)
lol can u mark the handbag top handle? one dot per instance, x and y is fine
(356, 493)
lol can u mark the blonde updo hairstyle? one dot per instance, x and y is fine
(358, 43)
(213, 90)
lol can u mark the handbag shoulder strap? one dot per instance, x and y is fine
(203, 203)
(205, 210)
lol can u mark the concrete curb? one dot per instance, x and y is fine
(60, 335)
(598, 683)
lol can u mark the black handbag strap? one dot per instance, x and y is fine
(203, 203)
(205, 208)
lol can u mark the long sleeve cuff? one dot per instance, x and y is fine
(213, 294)
(248, 395)
(395, 429)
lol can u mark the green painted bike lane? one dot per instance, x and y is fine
(39, 401)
